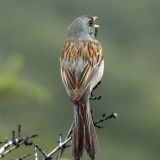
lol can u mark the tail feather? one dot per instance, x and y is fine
(78, 135)
(84, 134)
(91, 140)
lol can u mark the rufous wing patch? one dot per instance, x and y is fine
(91, 53)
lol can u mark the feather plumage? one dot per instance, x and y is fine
(79, 63)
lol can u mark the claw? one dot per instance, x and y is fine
(98, 126)
(96, 85)
(92, 97)
(95, 98)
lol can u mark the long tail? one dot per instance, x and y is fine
(84, 134)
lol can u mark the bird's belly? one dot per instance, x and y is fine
(98, 76)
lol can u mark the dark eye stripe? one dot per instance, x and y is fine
(90, 22)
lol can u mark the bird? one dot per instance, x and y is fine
(82, 67)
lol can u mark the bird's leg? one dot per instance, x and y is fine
(93, 97)
(97, 85)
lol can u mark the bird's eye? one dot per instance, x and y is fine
(91, 22)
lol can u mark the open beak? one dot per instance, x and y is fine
(94, 18)
(96, 25)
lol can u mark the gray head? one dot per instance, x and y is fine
(83, 28)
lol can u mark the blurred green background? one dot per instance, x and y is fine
(32, 34)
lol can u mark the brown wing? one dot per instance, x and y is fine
(79, 63)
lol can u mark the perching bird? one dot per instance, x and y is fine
(82, 68)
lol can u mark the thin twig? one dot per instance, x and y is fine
(23, 157)
(104, 118)
(35, 152)
(49, 155)
(70, 131)
(19, 130)
(41, 150)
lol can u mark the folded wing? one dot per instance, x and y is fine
(79, 63)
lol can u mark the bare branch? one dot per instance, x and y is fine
(104, 118)
(49, 155)
(10, 145)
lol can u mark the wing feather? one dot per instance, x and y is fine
(75, 74)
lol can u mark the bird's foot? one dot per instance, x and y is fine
(96, 85)
(93, 97)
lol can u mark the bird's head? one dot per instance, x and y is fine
(83, 28)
